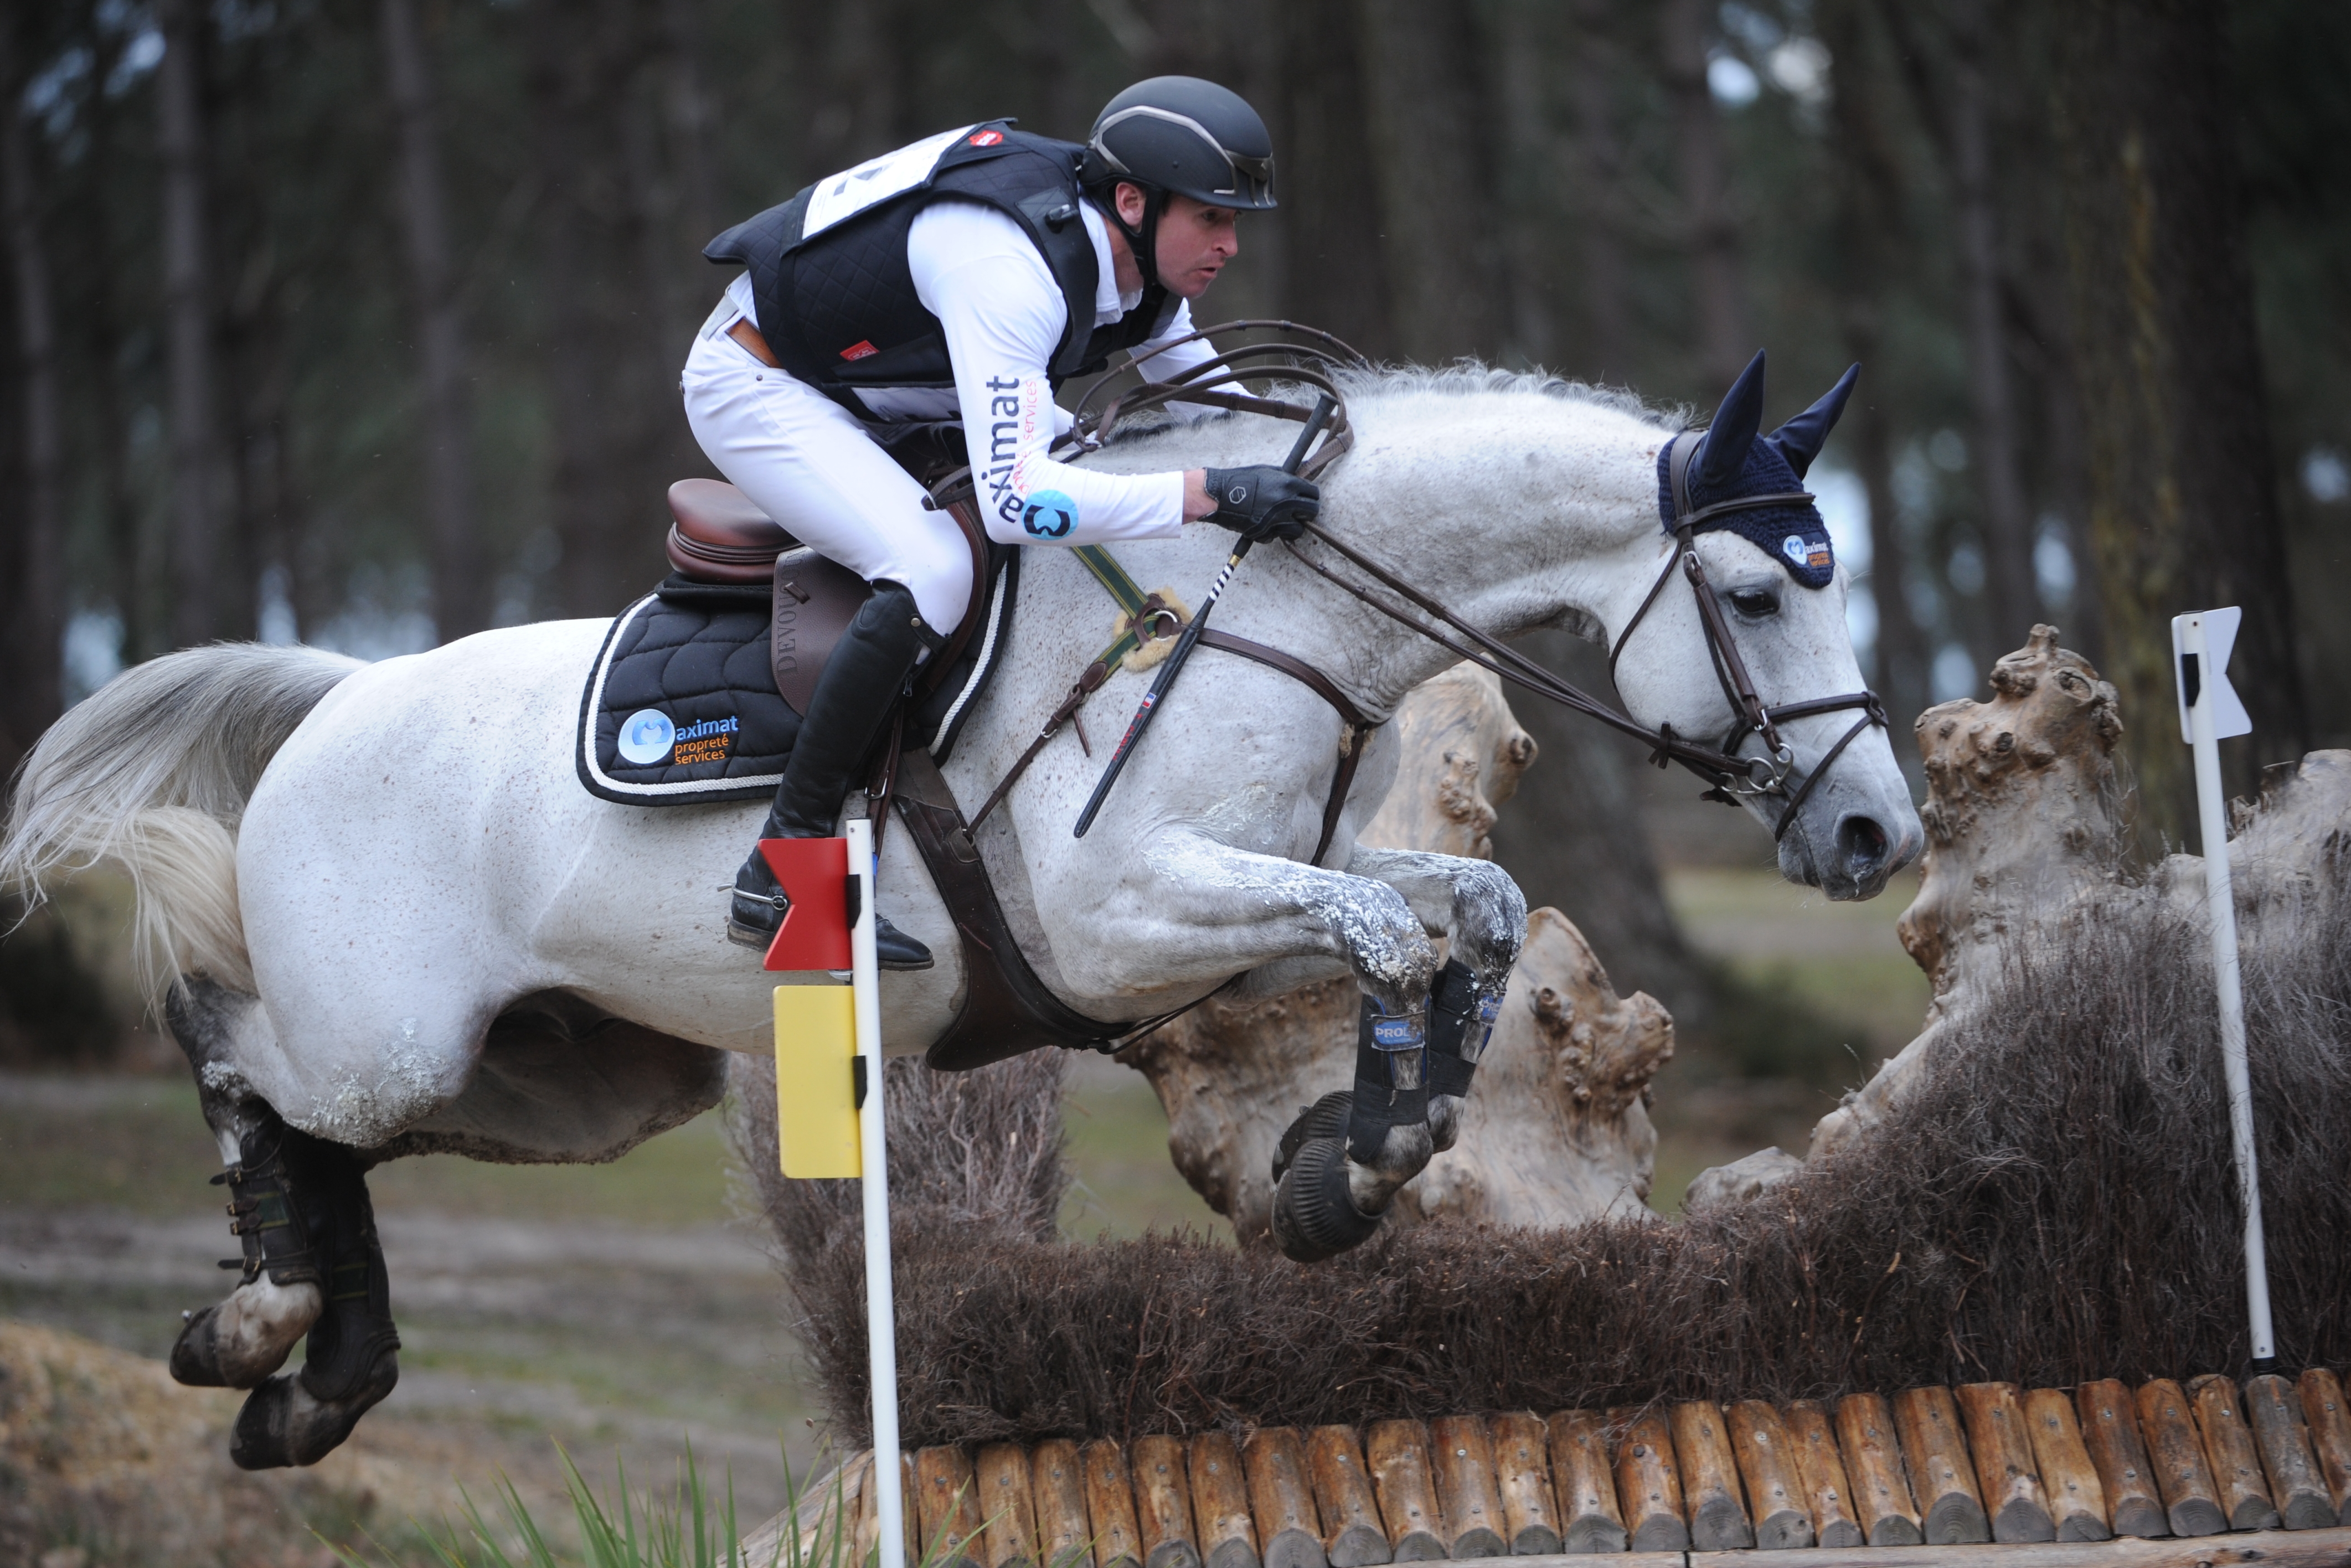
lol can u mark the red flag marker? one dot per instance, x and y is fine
(815, 876)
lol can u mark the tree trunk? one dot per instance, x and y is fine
(1337, 274)
(1600, 165)
(1724, 344)
(2015, 601)
(693, 118)
(189, 326)
(614, 377)
(1868, 189)
(1431, 152)
(2183, 504)
(1574, 841)
(1531, 159)
(461, 580)
(35, 633)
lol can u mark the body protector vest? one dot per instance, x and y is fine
(836, 300)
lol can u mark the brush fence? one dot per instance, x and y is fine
(2030, 1477)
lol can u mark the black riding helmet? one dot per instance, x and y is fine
(1178, 136)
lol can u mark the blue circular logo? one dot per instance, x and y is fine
(646, 737)
(1049, 514)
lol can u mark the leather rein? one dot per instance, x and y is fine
(1728, 775)
(1307, 362)
(1312, 358)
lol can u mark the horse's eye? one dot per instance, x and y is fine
(1754, 602)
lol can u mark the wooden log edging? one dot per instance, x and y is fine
(2000, 1476)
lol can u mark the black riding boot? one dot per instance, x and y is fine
(866, 671)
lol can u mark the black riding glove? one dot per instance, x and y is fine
(1263, 502)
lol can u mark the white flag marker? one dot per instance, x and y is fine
(2209, 713)
(880, 1315)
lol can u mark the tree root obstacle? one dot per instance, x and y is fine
(1983, 1473)
(1969, 1319)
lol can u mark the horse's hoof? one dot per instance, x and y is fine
(1443, 1122)
(238, 1343)
(1326, 1118)
(282, 1425)
(1315, 1216)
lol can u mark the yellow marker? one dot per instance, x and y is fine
(816, 1103)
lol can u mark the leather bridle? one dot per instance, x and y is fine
(1730, 775)
(1313, 358)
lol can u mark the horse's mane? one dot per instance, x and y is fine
(1468, 377)
(1463, 377)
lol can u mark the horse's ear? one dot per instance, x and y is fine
(1800, 439)
(1734, 427)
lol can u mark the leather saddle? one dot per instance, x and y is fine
(719, 536)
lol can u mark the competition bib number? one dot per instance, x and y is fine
(846, 195)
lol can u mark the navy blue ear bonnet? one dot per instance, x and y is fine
(1732, 460)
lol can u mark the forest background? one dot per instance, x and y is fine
(359, 321)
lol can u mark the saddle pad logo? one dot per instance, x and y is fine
(862, 349)
(646, 737)
(1049, 514)
(711, 741)
(985, 138)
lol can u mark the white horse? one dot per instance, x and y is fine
(392, 921)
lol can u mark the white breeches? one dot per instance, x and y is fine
(807, 464)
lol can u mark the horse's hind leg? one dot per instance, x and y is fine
(353, 1359)
(239, 1342)
(311, 1264)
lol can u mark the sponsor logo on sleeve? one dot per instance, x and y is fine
(1020, 428)
(1049, 514)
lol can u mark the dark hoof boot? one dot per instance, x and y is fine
(1326, 1118)
(238, 1343)
(1315, 1216)
(283, 1424)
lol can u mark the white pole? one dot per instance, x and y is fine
(2212, 825)
(881, 1317)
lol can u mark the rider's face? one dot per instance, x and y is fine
(1195, 240)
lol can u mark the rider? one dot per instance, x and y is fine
(963, 277)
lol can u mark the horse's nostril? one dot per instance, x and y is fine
(1863, 842)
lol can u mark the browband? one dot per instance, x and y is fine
(1677, 465)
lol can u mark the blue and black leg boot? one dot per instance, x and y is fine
(1339, 1182)
(1459, 1024)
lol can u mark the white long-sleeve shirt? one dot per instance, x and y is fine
(1003, 316)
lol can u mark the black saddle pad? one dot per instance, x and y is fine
(681, 706)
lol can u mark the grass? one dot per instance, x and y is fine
(139, 1146)
(1842, 962)
(686, 1527)
(1123, 1182)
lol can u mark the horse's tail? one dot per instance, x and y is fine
(153, 772)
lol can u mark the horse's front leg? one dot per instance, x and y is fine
(1211, 908)
(1476, 906)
